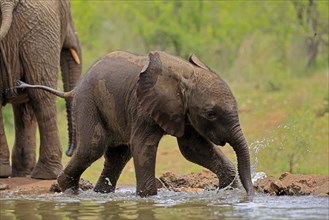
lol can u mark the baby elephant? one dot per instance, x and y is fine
(124, 105)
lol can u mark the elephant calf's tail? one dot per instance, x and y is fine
(23, 85)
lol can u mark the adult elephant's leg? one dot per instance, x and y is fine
(40, 59)
(50, 153)
(116, 159)
(5, 168)
(23, 154)
(198, 150)
(91, 144)
(144, 144)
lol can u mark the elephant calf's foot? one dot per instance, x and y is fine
(104, 185)
(226, 180)
(5, 170)
(147, 191)
(68, 184)
(46, 171)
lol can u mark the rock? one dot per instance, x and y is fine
(83, 185)
(194, 182)
(4, 186)
(268, 185)
(288, 184)
(295, 184)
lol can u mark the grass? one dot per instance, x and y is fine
(286, 127)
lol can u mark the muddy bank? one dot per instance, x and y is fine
(25, 185)
(193, 182)
(287, 184)
(294, 184)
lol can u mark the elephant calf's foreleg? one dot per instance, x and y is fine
(116, 159)
(144, 148)
(198, 150)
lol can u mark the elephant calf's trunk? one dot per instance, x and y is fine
(241, 148)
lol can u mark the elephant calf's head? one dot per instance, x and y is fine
(175, 92)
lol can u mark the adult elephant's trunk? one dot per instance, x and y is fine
(71, 72)
(241, 149)
(7, 17)
(71, 57)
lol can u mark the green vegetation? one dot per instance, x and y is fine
(274, 54)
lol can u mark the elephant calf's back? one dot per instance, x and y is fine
(118, 70)
(108, 88)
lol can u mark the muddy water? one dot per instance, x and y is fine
(166, 205)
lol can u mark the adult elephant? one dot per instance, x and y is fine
(126, 103)
(37, 37)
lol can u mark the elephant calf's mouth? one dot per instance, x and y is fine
(222, 143)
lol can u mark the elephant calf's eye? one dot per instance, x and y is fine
(211, 115)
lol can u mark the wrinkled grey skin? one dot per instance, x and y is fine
(37, 37)
(126, 103)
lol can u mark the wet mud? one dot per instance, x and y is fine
(294, 184)
(193, 182)
(287, 184)
(25, 185)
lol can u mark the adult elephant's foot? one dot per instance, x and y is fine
(22, 166)
(46, 171)
(104, 185)
(68, 184)
(5, 170)
(21, 173)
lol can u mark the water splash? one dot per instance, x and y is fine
(255, 147)
(258, 176)
(288, 142)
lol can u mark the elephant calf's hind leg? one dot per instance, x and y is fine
(91, 145)
(116, 159)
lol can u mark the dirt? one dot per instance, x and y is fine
(287, 184)
(193, 182)
(25, 185)
(294, 184)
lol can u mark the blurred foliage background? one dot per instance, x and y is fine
(274, 55)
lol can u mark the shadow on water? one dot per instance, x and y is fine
(166, 205)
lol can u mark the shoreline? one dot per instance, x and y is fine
(287, 184)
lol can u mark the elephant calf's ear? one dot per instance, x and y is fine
(197, 62)
(159, 95)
